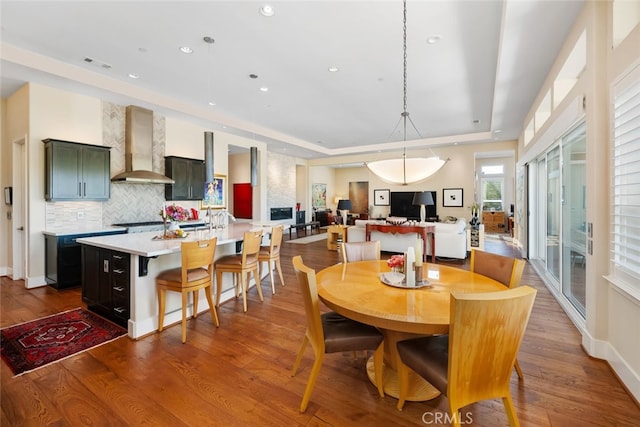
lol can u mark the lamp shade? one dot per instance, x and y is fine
(423, 198)
(344, 205)
(405, 171)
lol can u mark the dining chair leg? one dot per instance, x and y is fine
(271, 267)
(256, 278)
(195, 295)
(510, 410)
(243, 282)
(303, 347)
(218, 287)
(161, 302)
(518, 370)
(185, 298)
(315, 370)
(277, 263)
(212, 308)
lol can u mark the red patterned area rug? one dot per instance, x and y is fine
(34, 344)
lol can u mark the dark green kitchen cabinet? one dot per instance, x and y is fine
(188, 175)
(75, 171)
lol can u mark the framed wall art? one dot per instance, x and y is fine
(319, 195)
(381, 197)
(215, 193)
(452, 197)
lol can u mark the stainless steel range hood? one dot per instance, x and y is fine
(138, 143)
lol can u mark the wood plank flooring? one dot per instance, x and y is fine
(239, 374)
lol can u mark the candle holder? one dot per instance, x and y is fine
(419, 281)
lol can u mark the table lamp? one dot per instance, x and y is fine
(422, 198)
(344, 206)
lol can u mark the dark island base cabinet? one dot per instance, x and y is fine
(106, 283)
(62, 262)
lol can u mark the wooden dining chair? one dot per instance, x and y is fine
(474, 361)
(503, 269)
(271, 255)
(195, 273)
(331, 333)
(241, 265)
(361, 251)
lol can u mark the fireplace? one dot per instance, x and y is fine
(281, 213)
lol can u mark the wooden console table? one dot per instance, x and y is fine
(422, 230)
(336, 234)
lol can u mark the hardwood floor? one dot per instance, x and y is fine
(239, 374)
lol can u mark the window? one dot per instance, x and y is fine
(625, 215)
(492, 185)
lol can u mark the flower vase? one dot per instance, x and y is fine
(174, 226)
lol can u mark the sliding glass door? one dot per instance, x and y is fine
(559, 217)
(574, 232)
(553, 212)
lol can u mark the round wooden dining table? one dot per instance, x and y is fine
(356, 291)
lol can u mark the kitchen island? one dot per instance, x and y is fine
(130, 262)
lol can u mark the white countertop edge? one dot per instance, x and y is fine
(83, 231)
(143, 244)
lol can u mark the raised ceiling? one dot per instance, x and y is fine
(476, 84)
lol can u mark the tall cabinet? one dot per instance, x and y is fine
(188, 175)
(75, 171)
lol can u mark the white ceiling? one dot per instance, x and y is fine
(489, 65)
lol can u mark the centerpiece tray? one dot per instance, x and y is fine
(169, 236)
(394, 279)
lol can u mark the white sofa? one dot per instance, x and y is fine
(451, 239)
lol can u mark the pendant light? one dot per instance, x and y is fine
(405, 170)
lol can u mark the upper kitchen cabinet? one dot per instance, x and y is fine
(76, 171)
(188, 175)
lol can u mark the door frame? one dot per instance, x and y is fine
(19, 242)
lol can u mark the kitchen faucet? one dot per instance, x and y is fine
(219, 218)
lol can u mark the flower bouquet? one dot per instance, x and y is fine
(396, 262)
(175, 213)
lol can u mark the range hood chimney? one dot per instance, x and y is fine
(138, 144)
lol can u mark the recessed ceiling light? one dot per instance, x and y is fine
(186, 49)
(476, 121)
(253, 76)
(267, 10)
(134, 76)
(497, 131)
(264, 89)
(333, 69)
(212, 103)
(434, 39)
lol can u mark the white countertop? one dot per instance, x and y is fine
(80, 229)
(143, 244)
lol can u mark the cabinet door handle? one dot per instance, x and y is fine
(118, 288)
(105, 266)
(119, 309)
(118, 271)
(84, 186)
(79, 189)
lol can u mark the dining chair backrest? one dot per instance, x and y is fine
(307, 279)
(503, 269)
(197, 255)
(251, 247)
(361, 251)
(485, 332)
(276, 240)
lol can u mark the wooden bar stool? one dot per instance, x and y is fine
(241, 265)
(195, 273)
